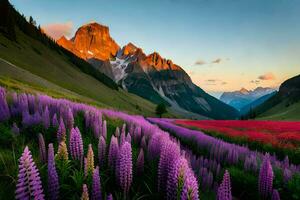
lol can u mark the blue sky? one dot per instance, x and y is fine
(236, 43)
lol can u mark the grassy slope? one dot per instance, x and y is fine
(281, 112)
(54, 71)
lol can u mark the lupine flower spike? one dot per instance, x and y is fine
(42, 148)
(90, 160)
(62, 153)
(53, 185)
(265, 184)
(29, 184)
(96, 187)
(85, 192)
(224, 191)
(124, 167)
(101, 150)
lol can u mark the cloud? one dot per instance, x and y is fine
(217, 61)
(211, 80)
(267, 77)
(255, 82)
(215, 82)
(200, 62)
(56, 30)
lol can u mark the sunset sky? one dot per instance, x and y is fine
(222, 44)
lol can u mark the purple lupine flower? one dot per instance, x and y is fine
(123, 130)
(124, 167)
(55, 121)
(4, 109)
(101, 151)
(287, 175)
(96, 186)
(76, 145)
(46, 118)
(61, 131)
(250, 163)
(265, 182)
(275, 195)
(224, 190)
(137, 134)
(170, 151)
(144, 143)
(96, 129)
(122, 137)
(117, 132)
(62, 152)
(90, 160)
(29, 184)
(140, 163)
(42, 148)
(87, 118)
(104, 129)
(69, 119)
(286, 162)
(207, 180)
(128, 138)
(190, 186)
(15, 129)
(109, 197)
(85, 192)
(53, 185)
(181, 181)
(113, 152)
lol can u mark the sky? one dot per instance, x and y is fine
(223, 45)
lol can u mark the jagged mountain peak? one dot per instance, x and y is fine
(91, 40)
(244, 91)
(159, 63)
(129, 48)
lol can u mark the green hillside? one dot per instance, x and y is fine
(31, 61)
(36, 64)
(284, 105)
(282, 112)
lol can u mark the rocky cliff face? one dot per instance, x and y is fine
(150, 76)
(91, 41)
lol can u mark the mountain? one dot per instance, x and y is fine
(91, 41)
(150, 76)
(241, 98)
(249, 107)
(285, 105)
(30, 61)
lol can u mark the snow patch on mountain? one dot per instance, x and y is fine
(119, 66)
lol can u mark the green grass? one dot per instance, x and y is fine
(37, 65)
(282, 112)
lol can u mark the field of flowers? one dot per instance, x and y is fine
(277, 133)
(58, 149)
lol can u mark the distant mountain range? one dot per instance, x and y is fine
(243, 98)
(149, 76)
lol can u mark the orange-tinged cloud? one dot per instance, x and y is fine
(217, 61)
(267, 77)
(56, 30)
(200, 62)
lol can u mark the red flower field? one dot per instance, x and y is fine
(277, 133)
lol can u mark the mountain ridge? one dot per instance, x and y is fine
(153, 77)
(241, 98)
